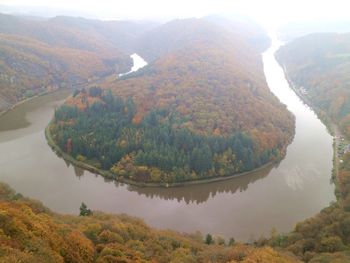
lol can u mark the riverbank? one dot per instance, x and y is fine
(331, 126)
(325, 119)
(110, 176)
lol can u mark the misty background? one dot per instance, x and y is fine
(269, 13)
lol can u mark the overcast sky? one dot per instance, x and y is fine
(266, 11)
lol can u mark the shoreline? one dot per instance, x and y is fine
(71, 88)
(108, 175)
(331, 126)
(27, 100)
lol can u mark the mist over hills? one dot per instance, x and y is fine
(294, 30)
(179, 33)
(40, 55)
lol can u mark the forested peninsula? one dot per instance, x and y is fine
(199, 110)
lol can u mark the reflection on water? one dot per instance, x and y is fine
(78, 171)
(200, 193)
(197, 194)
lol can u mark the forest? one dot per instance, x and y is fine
(30, 232)
(180, 119)
(215, 79)
(95, 126)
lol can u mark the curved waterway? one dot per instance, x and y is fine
(243, 207)
(138, 62)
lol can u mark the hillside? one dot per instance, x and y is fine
(30, 232)
(200, 110)
(76, 32)
(177, 34)
(29, 67)
(122, 35)
(245, 28)
(38, 56)
(318, 65)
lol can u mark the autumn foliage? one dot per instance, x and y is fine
(199, 110)
(320, 64)
(29, 232)
(42, 55)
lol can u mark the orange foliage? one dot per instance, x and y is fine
(82, 100)
(24, 230)
(220, 89)
(29, 232)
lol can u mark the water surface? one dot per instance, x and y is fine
(138, 62)
(243, 207)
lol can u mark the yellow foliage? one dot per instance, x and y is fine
(31, 233)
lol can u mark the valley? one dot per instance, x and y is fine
(195, 139)
(301, 175)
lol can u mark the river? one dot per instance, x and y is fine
(245, 207)
(138, 62)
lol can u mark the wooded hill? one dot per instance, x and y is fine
(30, 232)
(201, 109)
(320, 64)
(39, 55)
(178, 34)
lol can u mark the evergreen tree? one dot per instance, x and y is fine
(84, 211)
(209, 239)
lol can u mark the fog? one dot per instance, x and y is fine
(268, 12)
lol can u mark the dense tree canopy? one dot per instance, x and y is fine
(98, 128)
(199, 110)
